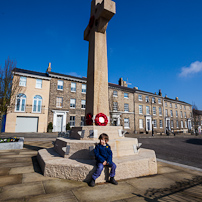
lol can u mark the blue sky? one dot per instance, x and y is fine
(154, 44)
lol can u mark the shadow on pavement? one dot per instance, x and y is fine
(157, 194)
(194, 141)
(35, 148)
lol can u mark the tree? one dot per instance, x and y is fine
(7, 86)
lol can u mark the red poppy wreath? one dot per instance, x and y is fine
(101, 119)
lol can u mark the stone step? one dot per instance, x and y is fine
(52, 165)
(83, 149)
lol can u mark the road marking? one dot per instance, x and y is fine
(178, 164)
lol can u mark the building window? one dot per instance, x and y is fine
(23, 81)
(140, 109)
(115, 93)
(147, 110)
(180, 106)
(181, 124)
(154, 110)
(159, 101)
(140, 97)
(140, 123)
(177, 124)
(82, 120)
(153, 100)
(160, 111)
(175, 106)
(115, 106)
(59, 102)
(165, 104)
(38, 83)
(72, 121)
(166, 112)
(184, 107)
(171, 113)
(20, 103)
(83, 88)
(171, 123)
(126, 107)
(185, 124)
(185, 115)
(189, 108)
(147, 98)
(154, 121)
(60, 85)
(73, 87)
(83, 104)
(72, 103)
(190, 114)
(161, 123)
(176, 114)
(126, 123)
(37, 104)
(170, 104)
(181, 114)
(125, 95)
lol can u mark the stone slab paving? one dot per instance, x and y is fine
(21, 180)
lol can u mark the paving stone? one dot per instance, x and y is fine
(16, 156)
(14, 165)
(10, 179)
(4, 171)
(59, 185)
(107, 192)
(180, 176)
(19, 170)
(28, 153)
(25, 159)
(22, 190)
(7, 160)
(8, 153)
(34, 177)
(16, 200)
(164, 169)
(64, 196)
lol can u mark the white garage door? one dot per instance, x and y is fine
(26, 124)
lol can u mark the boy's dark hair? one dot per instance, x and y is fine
(104, 136)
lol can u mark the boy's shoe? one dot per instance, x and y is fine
(113, 181)
(92, 183)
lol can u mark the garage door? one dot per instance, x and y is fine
(26, 124)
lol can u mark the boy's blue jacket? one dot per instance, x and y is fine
(103, 153)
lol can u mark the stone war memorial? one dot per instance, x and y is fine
(73, 157)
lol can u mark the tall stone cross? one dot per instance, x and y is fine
(97, 76)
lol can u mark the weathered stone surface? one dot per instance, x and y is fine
(81, 170)
(10, 179)
(33, 177)
(4, 171)
(19, 170)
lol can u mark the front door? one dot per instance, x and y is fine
(59, 123)
(148, 125)
(168, 124)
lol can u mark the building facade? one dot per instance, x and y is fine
(28, 110)
(61, 99)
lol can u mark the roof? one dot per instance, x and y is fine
(29, 72)
(198, 112)
(174, 100)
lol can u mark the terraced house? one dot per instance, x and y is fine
(61, 99)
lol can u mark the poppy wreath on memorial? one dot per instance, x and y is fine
(101, 119)
(89, 119)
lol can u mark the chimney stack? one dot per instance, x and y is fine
(176, 98)
(122, 82)
(49, 67)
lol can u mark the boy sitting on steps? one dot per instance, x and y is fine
(103, 155)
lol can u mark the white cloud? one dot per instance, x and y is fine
(194, 68)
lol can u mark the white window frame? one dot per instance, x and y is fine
(185, 124)
(176, 113)
(171, 124)
(175, 106)
(72, 103)
(171, 104)
(126, 107)
(160, 111)
(166, 112)
(38, 99)
(147, 99)
(23, 81)
(82, 120)
(126, 95)
(166, 104)
(83, 104)
(57, 102)
(181, 115)
(177, 124)
(60, 85)
(153, 99)
(126, 123)
(147, 110)
(171, 113)
(154, 123)
(21, 99)
(115, 93)
(161, 123)
(39, 83)
(72, 121)
(140, 109)
(115, 106)
(154, 110)
(83, 88)
(140, 123)
(159, 100)
(185, 115)
(140, 97)
(73, 87)
(181, 124)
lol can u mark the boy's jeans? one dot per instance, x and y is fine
(99, 169)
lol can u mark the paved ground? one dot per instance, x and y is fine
(21, 180)
(184, 150)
